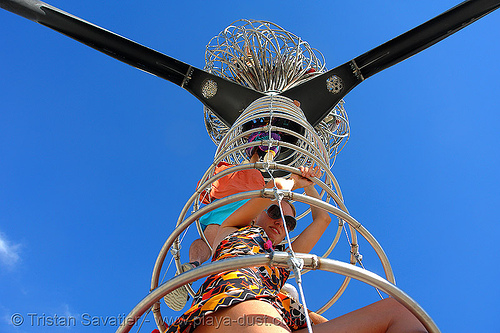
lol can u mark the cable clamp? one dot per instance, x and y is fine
(315, 262)
(295, 263)
(278, 194)
(175, 252)
(355, 252)
(281, 194)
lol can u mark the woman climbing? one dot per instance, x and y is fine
(248, 299)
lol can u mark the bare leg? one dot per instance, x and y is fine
(316, 318)
(251, 316)
(199, 250)
(383, 316)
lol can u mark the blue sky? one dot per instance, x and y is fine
(98, 158)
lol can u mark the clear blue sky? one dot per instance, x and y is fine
(98, 158)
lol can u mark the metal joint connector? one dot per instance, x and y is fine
(295, 263)
(187, 77)
(278, 194)
(356, 70)
(175, 252)
(314, 262)
(282, 194)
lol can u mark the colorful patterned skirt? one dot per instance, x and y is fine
(225, 289)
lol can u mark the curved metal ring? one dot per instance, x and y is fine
(268, 193)
(278, 259)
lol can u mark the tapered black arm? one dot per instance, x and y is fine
(225, 98)
(317, 100)
(423, 36)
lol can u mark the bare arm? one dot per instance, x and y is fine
(249, 211)
(305, 242)
(244, 215)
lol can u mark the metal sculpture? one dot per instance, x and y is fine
(266, 82)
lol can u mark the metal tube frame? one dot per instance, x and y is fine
(258, 165)
(279, 259)
(266, 193)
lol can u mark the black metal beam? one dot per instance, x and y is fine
(316, 101)
(227, 103)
